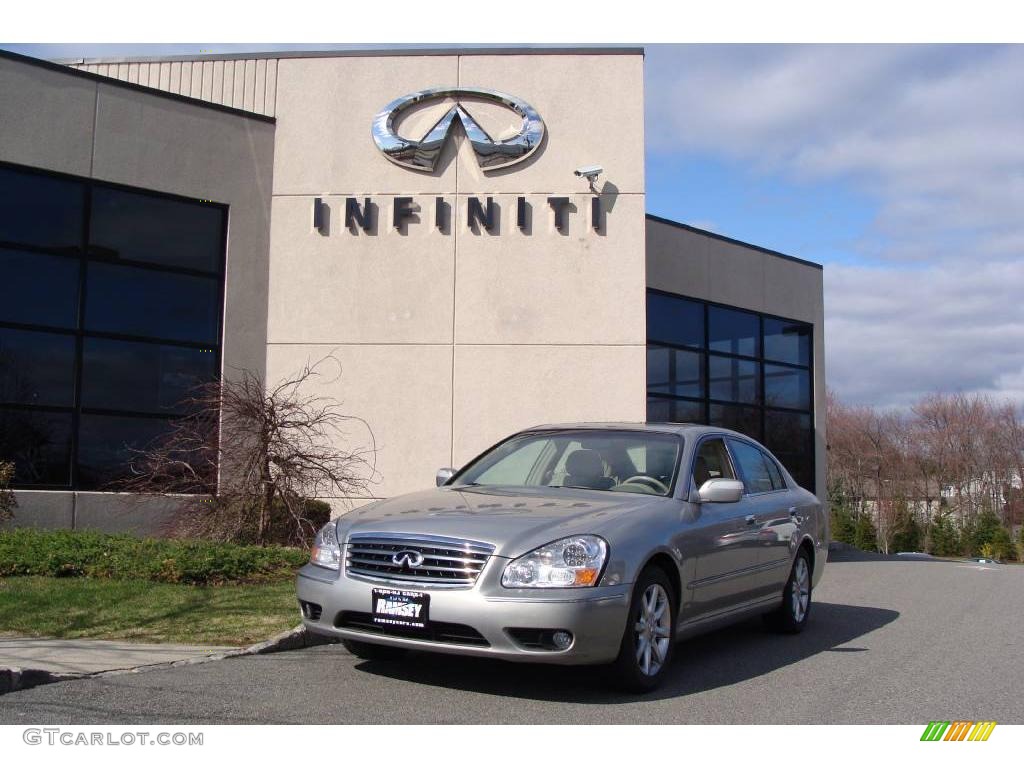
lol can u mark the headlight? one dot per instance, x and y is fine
(326, 551)
(573, 562)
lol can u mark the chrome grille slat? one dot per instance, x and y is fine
(424, 567)
(402, 579)
(446, 561)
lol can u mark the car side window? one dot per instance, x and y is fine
(778, 482)
(712, 462)
(753, 465)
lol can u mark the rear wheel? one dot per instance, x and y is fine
(648, 642)
(791, 616)
(373, 652)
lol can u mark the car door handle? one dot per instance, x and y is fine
(751, 520)
(795, 514)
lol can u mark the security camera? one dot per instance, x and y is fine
(589, 172)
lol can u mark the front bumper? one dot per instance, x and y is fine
(596, 616)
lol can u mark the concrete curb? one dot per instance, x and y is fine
(291, 640)
(19, 679)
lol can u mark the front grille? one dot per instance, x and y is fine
(445, 561)
(436, 631)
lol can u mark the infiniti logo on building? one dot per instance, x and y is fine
(407, 558)
(491, 154)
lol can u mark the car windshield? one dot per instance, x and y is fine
(622, 461)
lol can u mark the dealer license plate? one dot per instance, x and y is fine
(400, 608)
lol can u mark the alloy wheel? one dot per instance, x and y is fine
(800, 596)
(653, 630)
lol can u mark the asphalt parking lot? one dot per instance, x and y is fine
(889, 641)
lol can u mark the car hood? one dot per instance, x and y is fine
(514, 520)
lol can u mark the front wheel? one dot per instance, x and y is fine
(791, 616)
(648, 642)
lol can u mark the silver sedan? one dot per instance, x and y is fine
(574, 544)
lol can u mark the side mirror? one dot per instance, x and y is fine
(721, 491)
(444, 475)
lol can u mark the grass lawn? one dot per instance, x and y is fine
(146, 611)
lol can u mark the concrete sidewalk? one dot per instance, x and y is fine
(91, 656)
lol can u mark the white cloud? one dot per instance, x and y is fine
(934, 135)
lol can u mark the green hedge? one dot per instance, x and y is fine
(28, 552)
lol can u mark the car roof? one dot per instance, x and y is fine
(677, 428)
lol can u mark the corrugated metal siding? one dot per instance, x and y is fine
(249, 84)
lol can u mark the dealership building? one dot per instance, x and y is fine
(424, 218)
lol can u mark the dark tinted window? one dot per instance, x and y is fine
(675, 321)
(736, 417)
(38, 443)
(142, 302)
(753, 466)
(141, 376)
(787, 342)
(38, 289)
(36, 368)
(675, 371)
(107, 444)
(732, 379)
(140, 227)
(790, 436)
(752, 365)
(668, 409)
(733, 331)
(787, 387)
(129, 388)
(41, 210)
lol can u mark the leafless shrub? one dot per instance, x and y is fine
(7, 501)
(251, 458)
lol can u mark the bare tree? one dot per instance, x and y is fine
(250, 457)
(955, 452)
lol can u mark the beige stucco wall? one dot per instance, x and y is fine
(449, 341)
(713, 269)
(63, 121)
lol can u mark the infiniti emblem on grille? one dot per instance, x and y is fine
(407, 558)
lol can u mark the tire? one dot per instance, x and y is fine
(644, 660)
(791, 617)
(372, 651)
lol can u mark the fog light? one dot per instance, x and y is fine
(562, 640)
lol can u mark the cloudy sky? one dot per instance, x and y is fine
(900, 168)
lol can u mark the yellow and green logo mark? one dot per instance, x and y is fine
(958, 730)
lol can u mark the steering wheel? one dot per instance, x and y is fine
(653, 482)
